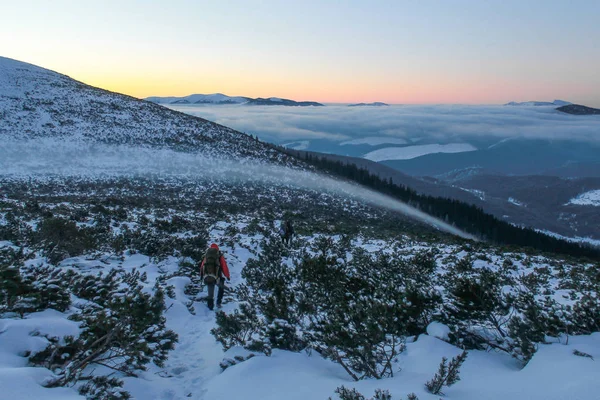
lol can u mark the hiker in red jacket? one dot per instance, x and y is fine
(213, 270)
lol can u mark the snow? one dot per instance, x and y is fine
(479, 193)
(374, 141)
(37, 103)
(193, 370)
(576, 239)
(516, 202)
(438, 330)
(24, 384)
(410, 152)
(493, 376)
(44, 157)
(20, 337)
(591, 198)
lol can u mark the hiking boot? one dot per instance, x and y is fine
(211, 304)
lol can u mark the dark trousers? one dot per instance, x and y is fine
(211, 293)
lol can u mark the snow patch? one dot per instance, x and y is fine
(438, 330)
(591, 198)
(516, 202)
(576, 239)
(479, 193)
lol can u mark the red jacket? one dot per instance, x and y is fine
(222, 262)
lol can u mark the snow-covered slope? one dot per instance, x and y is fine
(193, 371)
(35, 103)
(591, 198)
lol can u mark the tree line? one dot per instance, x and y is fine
(467, 217)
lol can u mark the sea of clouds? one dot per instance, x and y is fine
(428, 123)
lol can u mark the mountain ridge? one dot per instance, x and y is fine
(222, 99)
(578, 109)
(374, 104)
(539, 103)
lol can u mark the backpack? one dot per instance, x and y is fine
(212, 266)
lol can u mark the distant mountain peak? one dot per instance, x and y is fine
(539, 103)
(374, 104)
(215, 98)
(276, 101)
(222, 99)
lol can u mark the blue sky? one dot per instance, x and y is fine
(330, 51)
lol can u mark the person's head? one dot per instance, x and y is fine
(214, 246)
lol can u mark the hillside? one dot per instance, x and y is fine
(38, 103)
(541, 202)
(87, 252)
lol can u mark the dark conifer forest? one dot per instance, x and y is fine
(467, 217)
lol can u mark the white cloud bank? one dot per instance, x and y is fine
(438, 124)
(409, 152)
(374, 141)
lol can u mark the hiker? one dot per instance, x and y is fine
(213, 270)
(286, 231)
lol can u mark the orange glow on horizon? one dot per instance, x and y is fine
(434, 92)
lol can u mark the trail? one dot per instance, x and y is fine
(196, 357)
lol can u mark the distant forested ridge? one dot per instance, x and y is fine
(469, 218)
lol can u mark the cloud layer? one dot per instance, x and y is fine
(444, 123)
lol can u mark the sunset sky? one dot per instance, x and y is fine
(478, 51)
